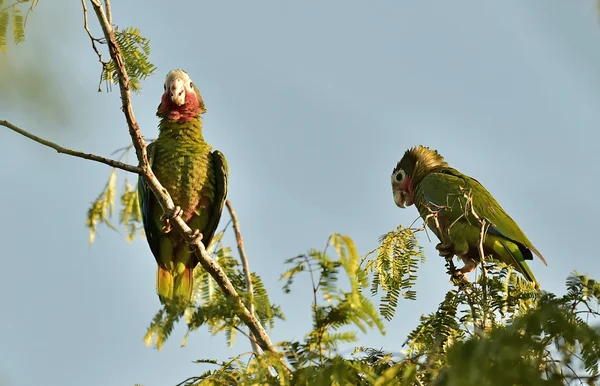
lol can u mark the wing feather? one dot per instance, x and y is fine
(221, 173)
(149, 207)
(448, 189)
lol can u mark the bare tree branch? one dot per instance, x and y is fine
(163, 197)
(246, 267)
(74, 153)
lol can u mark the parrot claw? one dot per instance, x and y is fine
(195, 237)
(166, 217)
(469, 267)
(446, 250)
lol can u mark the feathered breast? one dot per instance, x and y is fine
(184, 169)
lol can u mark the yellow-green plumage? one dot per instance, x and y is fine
(196, 178)
(459, 203)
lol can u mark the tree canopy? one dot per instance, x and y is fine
(496, 330)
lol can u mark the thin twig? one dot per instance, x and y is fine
(194, 379)
(163, 197)
(482, 233)
(74, 153)
(33, 4)
(94, 40)
(245, 266)
(108, 11)
(484, 227)
(223, 365)
(462, 281)
(315, 288)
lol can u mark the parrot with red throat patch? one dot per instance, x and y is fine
(460, 203)
(195, 177)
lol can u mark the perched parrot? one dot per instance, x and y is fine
(196, 178)
(456, 201)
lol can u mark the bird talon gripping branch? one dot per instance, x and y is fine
(168, 216)
(195, 236)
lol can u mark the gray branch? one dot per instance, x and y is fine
(74, 153)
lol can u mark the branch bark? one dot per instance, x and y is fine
(246, 267)
(74, 153)
(163, 197)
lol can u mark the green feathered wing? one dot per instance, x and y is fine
(175, 260)
(445, 191)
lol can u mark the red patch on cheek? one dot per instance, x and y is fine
(165, 104)
(407, 186)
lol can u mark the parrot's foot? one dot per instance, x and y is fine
(195, 237)
(446, 250)
(469, 267)
(168, 216)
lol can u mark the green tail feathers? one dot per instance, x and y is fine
(174, 289)
(515, 258)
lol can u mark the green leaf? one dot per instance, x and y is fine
(136, 51)
(103, 205)
(111, 192)
(130, 215)
(18, 26)
(4, 19)
(394, 268)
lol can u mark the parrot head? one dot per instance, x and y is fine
(181, 100)
(416, 163)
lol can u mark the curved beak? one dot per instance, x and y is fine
(403, 195)
(400, 198)
(177, 91)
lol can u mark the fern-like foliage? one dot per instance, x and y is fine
(479, 330)
(394, 268)
(337, 310)
(136, 52)
(102, 209)
(550, 344)
(503, 325)
(210, 307)
(522, 337)
(130, 215)
(12, 14)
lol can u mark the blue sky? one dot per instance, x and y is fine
(313, 103)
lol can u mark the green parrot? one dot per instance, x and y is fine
(459, 203)
(196, 178)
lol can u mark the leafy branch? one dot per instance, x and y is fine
(135, 48)
(12, 13)
(103, 14)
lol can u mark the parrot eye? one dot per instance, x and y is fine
(191, 84)
(165, 87)
(400, 176)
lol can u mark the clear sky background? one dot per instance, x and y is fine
(313, 103)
